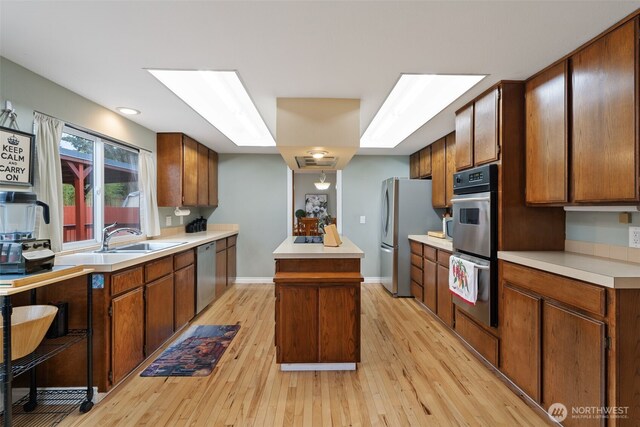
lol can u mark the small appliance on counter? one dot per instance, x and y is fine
(20, 251)
(197, 225)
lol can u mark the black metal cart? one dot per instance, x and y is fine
(47, 349)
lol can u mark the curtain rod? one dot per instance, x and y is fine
(96, 133)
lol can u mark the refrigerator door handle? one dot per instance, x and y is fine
(385, 249)
(386, 211)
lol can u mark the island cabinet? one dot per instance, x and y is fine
(564, 340)
(317, 312)
(189, 172)
(317, 306)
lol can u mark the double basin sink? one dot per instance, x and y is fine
(140, 247)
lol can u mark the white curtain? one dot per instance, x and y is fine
(48, 177)
(150, 220)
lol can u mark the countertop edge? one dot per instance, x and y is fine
(572, 272)
(446, 245)
(348, 249)
(199, 239)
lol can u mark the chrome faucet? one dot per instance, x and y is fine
(107, 234)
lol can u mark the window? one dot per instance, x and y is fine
(100, 186)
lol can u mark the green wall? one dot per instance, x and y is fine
(252, 192)
(361, 195)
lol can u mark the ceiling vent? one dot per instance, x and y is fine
(308, 162)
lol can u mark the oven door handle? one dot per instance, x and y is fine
(472, 199)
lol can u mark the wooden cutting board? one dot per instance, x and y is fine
(15, 280)
(438, 234)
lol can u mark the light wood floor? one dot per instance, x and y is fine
(413, 372)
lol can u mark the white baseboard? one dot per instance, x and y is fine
(288, 367)
(261, 280)
(269, 280)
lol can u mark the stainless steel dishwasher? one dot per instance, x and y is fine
(206, 276)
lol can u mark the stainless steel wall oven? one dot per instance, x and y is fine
(475, 236)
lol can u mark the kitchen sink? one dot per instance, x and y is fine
(141, 247)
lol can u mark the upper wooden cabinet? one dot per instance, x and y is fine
(425, 162)
(443, 153)
(450, 166)
(187, 172)
(213, 178)
(486, 142)
(420, 164)
(464, 138)
(481, 126)
(604, 110)
(203, 175)
(547, 161)
(414, 165)
(438, 174)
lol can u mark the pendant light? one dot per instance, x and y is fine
(321, 185)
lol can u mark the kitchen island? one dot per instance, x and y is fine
(317, 307)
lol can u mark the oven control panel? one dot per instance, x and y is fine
(482, 178)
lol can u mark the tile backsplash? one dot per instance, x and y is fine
(621, 253)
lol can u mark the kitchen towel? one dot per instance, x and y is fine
(463, 279)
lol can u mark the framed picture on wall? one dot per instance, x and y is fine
(315, 205)
(16, 157)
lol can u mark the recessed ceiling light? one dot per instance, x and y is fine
(128, 111)
(414, 100)
(221, 99)
(318, 154)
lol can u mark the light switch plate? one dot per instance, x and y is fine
(167, 220)
(634, 237)
(363, 219)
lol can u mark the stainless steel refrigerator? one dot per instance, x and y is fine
(406, 209)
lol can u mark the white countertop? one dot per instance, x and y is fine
(288, 249)
(107, 262)
(600, 271)
(444, 244)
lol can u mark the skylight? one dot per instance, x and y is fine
(221, 99)
(414, 100)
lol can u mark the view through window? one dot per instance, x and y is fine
(100, 185)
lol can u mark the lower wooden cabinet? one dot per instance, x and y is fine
(221, 271)
(573, 362)
(321, 325)
(553, 350)
(158, 313)
(429, 281)
(127, 333)
(477, 336)
(185, 294)
(520, 356)
(433, 282)
(445, 304)
(337, 308)
(231, 261)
